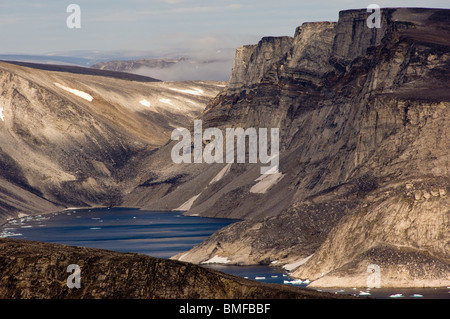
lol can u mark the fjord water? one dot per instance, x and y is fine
(156, 233)
(159, 234)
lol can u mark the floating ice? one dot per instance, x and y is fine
(260, 278)
(396, 296)
(364, 293)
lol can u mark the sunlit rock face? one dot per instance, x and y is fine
(71, 139)
(363, 115)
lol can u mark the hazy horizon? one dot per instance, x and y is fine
(135, 29)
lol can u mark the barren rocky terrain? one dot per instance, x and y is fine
(364, 161)
(364, 174)
(72, 138)
(33, 270)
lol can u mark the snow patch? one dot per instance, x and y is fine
(217, 260)
(194, 91)
(1, 114)
(144, 102)
(296, 264)
(79, 93)
(167, 101)
(188, 204)
(221, 174)
(265, 182)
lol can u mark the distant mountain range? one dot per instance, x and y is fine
(183, 65)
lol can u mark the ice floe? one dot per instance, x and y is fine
(9, 232)
(396, 296)
(76, 92)
(293, 282)
(364, 293)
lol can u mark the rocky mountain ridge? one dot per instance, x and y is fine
(33, 270)
(364, 149)
(363, 115)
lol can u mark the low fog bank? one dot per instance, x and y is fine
(191, 70)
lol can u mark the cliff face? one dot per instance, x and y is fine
(363, 115)
(39, 270)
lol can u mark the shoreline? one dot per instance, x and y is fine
(310, 284)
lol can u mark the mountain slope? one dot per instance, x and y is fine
(69, 139)
(363, 117)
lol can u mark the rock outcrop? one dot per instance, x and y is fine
(363, 116)
(33, 270)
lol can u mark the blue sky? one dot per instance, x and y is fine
(39, 27)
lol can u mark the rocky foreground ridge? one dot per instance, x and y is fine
(39, 270)
(364, 160)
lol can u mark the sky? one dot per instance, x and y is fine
(39, 27)
(159, 27)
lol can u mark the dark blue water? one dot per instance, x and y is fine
(159, 234)
(163, 235)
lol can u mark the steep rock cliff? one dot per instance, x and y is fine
(363, 114)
